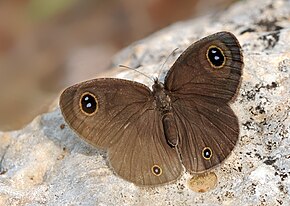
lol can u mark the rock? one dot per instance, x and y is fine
(45, 163)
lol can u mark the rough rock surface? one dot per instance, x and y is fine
(47, 164)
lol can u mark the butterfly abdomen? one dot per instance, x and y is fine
(170, 129)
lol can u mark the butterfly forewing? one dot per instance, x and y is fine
(193, 73)
(118, 103)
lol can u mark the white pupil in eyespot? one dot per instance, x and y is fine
(216, 58)
(213, 51)
(86, 98)
(89, 105)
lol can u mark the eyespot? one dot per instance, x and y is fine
(88, 104)
(206, 153)
(216, 57)
(156, 170)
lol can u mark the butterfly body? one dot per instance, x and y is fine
(162, 101)
(185, 121)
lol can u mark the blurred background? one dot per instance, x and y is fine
(48, 45)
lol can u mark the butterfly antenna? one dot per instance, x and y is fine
(120, 65)
(162, 67)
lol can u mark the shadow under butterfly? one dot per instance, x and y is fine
(185, 121)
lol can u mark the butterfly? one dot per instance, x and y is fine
(151, 135)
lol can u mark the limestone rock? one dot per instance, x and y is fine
(47, 164)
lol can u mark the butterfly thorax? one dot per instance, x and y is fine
(162, 100)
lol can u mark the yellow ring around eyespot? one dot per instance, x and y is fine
(225, 59)
(152, 170)
(80, 103)
(202, 153)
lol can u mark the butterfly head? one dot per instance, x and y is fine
(157, 86)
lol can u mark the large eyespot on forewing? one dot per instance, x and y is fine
(88, 104)
(215, 57)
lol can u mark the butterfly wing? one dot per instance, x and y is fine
(208, 132)
(201, 83)
(146, 157)
(120, 116)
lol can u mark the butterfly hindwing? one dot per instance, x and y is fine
(146, 157)
(208, 133)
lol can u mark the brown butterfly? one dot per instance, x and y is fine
(151, 134)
